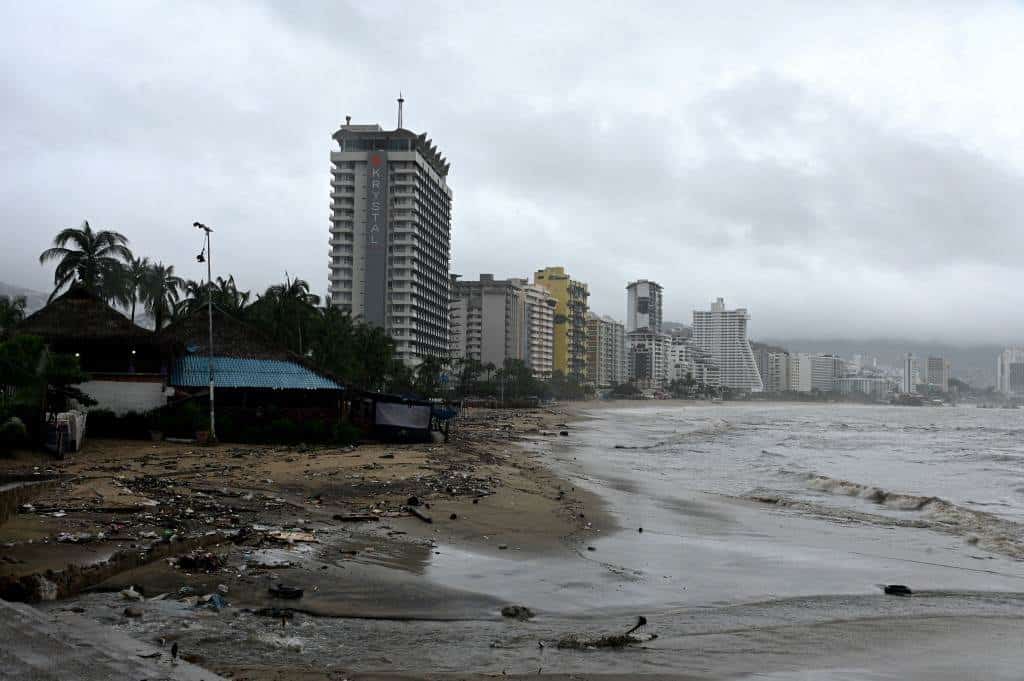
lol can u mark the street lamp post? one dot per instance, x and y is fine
(209, 314)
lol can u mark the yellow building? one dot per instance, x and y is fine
(570, 341)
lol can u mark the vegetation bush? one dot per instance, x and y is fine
(130, 426)
(13, 434)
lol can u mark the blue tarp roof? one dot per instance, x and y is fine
(192, 371)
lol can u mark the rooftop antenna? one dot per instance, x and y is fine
(348, 120)
(401, 102)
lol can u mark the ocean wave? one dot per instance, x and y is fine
(711, 429)
(979, 529)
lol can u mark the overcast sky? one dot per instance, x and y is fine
(854, 172)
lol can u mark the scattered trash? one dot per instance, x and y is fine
(520, 612)
(292, 536)
(284, 591)
(132, 611)
(204, 561)
(222, 589)
(212, 601)
(419, 514)
(276, 613)
(591, 548)
(130, 594)
(354, 517)
(502, 547)
(453, 516)
(413, 501)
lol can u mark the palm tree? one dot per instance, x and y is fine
(12, 311)
(284, 309)
(135, 273)
(161, 291)
(94, 259)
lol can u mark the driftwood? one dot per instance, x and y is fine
(419, 514)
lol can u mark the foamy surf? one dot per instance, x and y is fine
(978, 529)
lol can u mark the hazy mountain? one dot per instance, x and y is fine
(33, 299)
(37, 299)
(975, 364)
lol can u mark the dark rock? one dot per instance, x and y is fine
(520, 612)
(453, 516)
(897, 590)
(132, 611)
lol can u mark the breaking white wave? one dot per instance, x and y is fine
(977, 528)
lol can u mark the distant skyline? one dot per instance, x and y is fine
(854, 172)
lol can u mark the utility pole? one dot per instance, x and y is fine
(209, 314)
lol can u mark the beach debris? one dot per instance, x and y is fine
(275, 613)
(419, 514)
(284, 591)
(355, 517)
(413, 501)
(204, 561)
(133, 611)
(502, 547)
(174, 651)
(591, 548)
(576, 642)
(292, 536)
(897, 590)
(222, 589)
(130, 594)
(453, 516)
(519, 612)
(564, 433)
(212, 601)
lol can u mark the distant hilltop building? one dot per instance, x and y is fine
(723, 334)
(643, 305)
(391, 235)
(497, 319)
(1010, 372)
(571, 306)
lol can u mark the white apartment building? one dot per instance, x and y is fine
(648, 358)
(391, 235)
(494, 320)
(876, 387)
(688, 360)
(643, 305)
(1010, 372)
(776, 373)
(810, 371)
(606, 351)
(723, 333)
(539, 327)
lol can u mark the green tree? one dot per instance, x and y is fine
(161, 292)
(19, 366)
(427, 381)
(96, 260)
(12, 311)
(287, 312)
(135, 272)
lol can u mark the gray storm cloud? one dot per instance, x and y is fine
(857, 173)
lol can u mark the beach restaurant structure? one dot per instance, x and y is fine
(122, 359)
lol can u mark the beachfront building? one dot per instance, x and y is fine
(493, 320)
(938, 373)
(813, 372)
(122, 359)
(689, 362)
(570, 320)
(723, 334)
(1010, 372)
(643, 305)
(391, 235)
(648, 352)
(776, 373)
(875, 387)
(606, 351)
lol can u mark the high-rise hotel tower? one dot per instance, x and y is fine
(391, 235)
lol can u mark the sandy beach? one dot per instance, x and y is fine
(638, 508)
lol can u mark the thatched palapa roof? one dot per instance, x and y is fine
(80, 315)
(231, 338)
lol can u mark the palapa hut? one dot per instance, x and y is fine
(122, 359)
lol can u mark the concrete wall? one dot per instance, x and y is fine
(122, 397)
